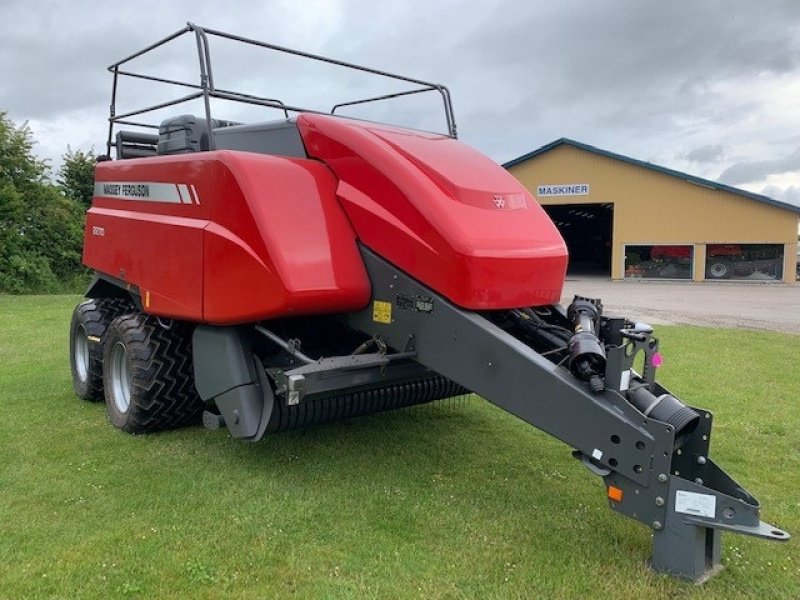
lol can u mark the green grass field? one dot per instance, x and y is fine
(434, 502)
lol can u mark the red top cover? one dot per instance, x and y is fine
(442, 212)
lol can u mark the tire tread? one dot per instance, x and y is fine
(163, 394)
(95, 315)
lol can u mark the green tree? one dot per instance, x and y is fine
(18, 165)
(76, 178)
(40, 228)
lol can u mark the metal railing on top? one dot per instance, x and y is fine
(206, 89)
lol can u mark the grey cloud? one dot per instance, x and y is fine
(758, 170)
(709, 153)
(633, 69)
(789, 194)
(583, 50)
(53, 62)
(643, 79)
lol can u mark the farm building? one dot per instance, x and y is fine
(631, 219)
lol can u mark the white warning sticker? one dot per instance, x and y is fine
(691, 503)
(625, 380)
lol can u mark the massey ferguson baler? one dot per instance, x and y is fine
(279, 274)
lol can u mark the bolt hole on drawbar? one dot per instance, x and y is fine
(637, 469)
(640, 445)
(778, 532)
(612, 462)
(615, 439)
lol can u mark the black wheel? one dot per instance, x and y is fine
(148, 376)
(90, 321)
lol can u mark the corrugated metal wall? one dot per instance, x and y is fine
(654, 208)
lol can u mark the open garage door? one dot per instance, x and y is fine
(587, 230)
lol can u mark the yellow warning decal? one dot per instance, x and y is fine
(382, 312)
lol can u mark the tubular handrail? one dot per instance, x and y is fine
(381, 97)
(206, 88)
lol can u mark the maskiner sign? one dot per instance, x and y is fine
(563, 189)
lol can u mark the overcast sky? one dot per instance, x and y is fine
(710, 87)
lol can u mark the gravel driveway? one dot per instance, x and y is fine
(773, 306)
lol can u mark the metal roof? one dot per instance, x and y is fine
(640, 163)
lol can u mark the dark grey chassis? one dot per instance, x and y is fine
(673, 488)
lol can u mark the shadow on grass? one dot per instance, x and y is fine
(467, 457)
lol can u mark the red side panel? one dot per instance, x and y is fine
(153, 241)
(279, 239)
(442, 212)
(226, 237)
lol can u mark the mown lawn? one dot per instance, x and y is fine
(436, 502)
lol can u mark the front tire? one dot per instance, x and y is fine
(148, 375)
(90, 321)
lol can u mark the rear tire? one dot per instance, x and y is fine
(90, 321)
(148, 375)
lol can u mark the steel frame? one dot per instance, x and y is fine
(638, 455)
(206, 89)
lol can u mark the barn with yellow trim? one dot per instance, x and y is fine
(631, 219)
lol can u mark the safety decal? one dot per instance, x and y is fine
(417, 303)
(382, 312)
(423, 304)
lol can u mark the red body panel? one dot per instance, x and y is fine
(231, 237)
(442, 212)
(258, 237)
